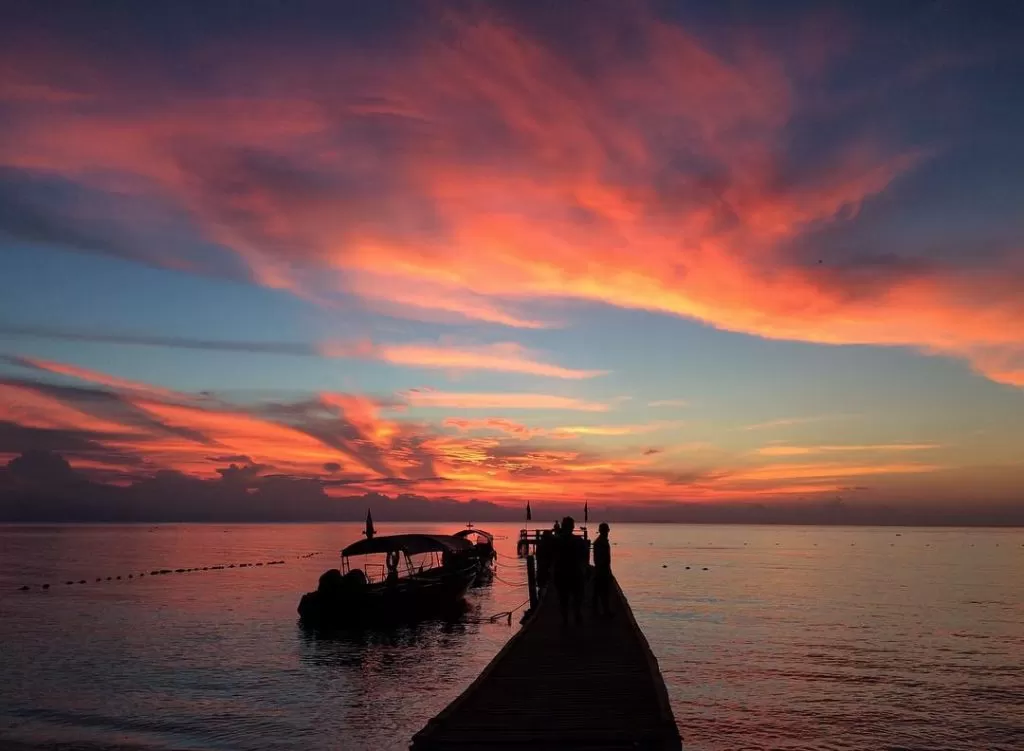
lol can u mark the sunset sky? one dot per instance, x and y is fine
(638, 254)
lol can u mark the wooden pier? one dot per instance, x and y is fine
(590, 686)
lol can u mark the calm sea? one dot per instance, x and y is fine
(792, 638)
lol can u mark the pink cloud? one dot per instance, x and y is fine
(507, 173)
(499, 400)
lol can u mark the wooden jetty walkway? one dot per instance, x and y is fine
(594, 686)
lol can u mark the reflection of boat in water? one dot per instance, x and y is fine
(483, 547)
(437, 571)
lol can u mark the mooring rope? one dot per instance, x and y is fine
(503, 614)
(508, 583)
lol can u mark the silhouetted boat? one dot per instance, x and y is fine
(432, 584)
(483, 544)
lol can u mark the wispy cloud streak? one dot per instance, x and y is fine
(476, 172)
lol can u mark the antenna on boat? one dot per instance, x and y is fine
(369, 531)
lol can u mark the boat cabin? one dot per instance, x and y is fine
(404, 555)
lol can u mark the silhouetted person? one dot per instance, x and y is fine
(392, 564)
(545, 554)
(569, 570)
(602, 570)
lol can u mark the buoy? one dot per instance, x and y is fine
(131, 576)
(142, 574)
(97, 578)
(231, 566)
(81, 581)
(664, 565)
(687, 568)
(24, 588)
(704, 569)
(206, 568)
(119, 578)
(46, 586)
(108, 578)
(179, 570)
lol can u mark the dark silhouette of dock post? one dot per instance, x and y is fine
(531, 580)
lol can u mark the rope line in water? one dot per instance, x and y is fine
(503, 614)
(165, 571)
(508, 583)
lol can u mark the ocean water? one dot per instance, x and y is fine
(773, 638)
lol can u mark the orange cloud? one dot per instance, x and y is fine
(777, 472)
(92, 376)
(561, 432)
(785, 422)
(615, 430)
(651, 178)
(880, 447)
(457, 400)
(28, 408)
(493, 424)
(349, 440)
(505, 357)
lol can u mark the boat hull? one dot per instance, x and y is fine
(431, 594)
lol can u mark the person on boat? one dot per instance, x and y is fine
(569, 570)
(602, 570)
(392, 564)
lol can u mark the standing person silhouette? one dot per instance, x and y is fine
(602, 570)
(569, 571)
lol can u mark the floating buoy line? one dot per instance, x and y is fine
(167, 571)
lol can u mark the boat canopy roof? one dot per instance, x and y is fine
(467, 533)
(411, 544)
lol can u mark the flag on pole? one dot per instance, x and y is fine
(369, 531)
(529, 513)
(586, 513)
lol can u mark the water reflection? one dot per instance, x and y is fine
(905, 639)
(353, 647)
